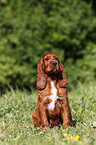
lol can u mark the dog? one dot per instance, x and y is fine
(52, 106)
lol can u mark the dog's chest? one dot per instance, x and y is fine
(53, 96)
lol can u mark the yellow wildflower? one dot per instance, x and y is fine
(77, 137)
(80, 142)
(83, 135)
(68, 142)
(71, 137)
(65, 134)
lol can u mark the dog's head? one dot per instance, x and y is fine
(50, 65)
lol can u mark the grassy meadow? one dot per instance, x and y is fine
(16, 126)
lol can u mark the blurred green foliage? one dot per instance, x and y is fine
(29, 28)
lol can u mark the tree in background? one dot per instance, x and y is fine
(29, 28)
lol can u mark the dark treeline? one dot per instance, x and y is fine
(29, 28)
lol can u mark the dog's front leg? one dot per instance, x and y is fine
(66, 113)
(43, 116)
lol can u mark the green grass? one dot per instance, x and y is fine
(16, 126)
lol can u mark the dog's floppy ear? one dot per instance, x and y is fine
(62, 77)
(41, 77)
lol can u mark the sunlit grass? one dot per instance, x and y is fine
(16, 126)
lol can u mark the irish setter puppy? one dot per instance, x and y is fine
(52, 106)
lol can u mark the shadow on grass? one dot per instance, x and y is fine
(74, 122)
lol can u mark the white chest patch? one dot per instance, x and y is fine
(54, 96)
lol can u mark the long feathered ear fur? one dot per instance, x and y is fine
(41, 77)
(62, 77)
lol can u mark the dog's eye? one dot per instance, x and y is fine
(46, 58)
(56, 58)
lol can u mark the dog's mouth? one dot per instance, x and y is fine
(54, 70)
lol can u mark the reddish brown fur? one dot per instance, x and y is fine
(45, 74)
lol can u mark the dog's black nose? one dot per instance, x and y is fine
(54, 63)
